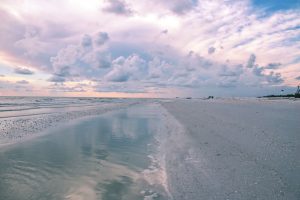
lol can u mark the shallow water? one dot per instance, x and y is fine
(104, 157)
(30, 106)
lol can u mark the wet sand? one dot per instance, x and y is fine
(234, 149)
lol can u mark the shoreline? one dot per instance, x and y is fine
(18, 129)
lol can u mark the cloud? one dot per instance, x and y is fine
(273, 66)
(123, 69)
(231, 71)
(180, 7)
(61, 88)
(159, 46)
(211, 50)
(86, 41)
(297, 78)
(118, 7)
(22, 82)
(24, 71)
(251, 61)
(101, 38)
(258, 71)
(85, 60)
(120, 87)
(274, 78)
(57, 79)
(165, 31)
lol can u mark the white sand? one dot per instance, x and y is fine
(233, 149)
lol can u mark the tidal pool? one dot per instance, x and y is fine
(106, 157)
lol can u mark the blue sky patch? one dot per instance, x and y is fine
(277, 5)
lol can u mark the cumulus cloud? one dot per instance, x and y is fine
(86, 41)
(132, 67)
(118, 7)
(160, 46)
(101, 38)
(24, 71)
(271, 78)
(83, 60)
(274, 78)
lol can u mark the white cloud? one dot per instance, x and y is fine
(182, 43)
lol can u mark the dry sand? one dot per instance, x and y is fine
(234, 149)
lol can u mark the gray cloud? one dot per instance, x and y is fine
(228, 82)
(258, 71)
(117, 75)
(272, 66)
(1, 75)
(63, 72)
(22, 82)
(181, 6)
(84, 60)
(101, 38)
(211, 50)
(271, 78)
(232, 71)
(165, 31)
(24, 71)
(194, 60)
(57, 79)
(274, 78)
(118, 7)
(86, 41)
(298, 78)
(251, 61)
(132, 67)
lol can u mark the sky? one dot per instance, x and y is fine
(149, 48)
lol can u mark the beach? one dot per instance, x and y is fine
(235, 149)
(181, 149)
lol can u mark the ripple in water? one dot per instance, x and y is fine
(99, 158)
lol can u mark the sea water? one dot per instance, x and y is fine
(105, 157)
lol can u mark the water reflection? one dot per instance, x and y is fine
(99, 158)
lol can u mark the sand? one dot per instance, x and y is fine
(234, 149)
(207, 149)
